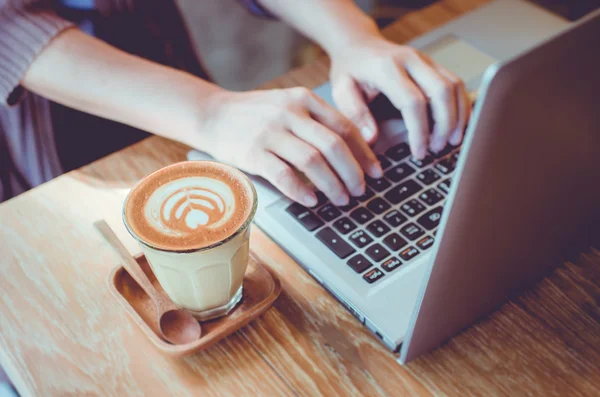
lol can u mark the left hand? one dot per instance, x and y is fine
(411, 81)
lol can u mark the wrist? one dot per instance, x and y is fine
(192, 110)
(206, 109)
(360, 29)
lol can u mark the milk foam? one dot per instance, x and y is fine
(180, 207)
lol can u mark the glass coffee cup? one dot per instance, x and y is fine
(182, 204)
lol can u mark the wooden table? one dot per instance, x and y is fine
(62, 333)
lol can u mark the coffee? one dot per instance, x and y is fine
(192, 220)
(189, 205)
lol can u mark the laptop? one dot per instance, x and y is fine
(440, 242)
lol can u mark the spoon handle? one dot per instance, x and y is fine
(130, 264)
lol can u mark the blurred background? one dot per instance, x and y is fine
(241, 51)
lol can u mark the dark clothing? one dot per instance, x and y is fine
(39, 139)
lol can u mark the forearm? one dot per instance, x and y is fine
(87, 74)
(333, 24)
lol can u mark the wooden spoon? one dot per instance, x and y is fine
(176, 325)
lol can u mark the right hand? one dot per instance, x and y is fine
(268, 133)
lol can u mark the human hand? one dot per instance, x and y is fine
(410, 80)
(266, 133)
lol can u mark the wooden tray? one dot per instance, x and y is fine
(261, 288)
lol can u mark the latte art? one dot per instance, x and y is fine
(184, 205)
(189, 205)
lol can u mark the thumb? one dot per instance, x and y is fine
(352, 102)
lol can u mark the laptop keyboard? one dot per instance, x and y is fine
(393, 222)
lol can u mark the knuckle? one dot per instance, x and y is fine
(456, 82)
(409, 56)
(311, 159)
(412, 54)
(416, 100)
(346, 128)
(263, 137)
(283, 176)
(444, 89)
(301, 93)
(332, 143)
(389, 65)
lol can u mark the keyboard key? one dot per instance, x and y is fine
(428, 176)
(377, 252)
(344, 225)
(373, 275)
(362, 215)
(359, 263)
(304, 216)
(431, 196)
(346, 208)
(394, 218)
(399, 172)
(378, 205)
(321, 199)
(412, 231)
(391, 264)
(422, 163)
(431, 219)
(446, 166)
(403, 191)
(379, 185)
(368, 194)
(412, 207)
(444, 186)
(398, 152)
(328, 212)
(425, 243)
(335, 243)
(409, 253)
(385, 163)
(449, 148)
(360, 238)
(378, 228)
(296, 209)
(394, 242)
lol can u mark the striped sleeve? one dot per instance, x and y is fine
(24, 32)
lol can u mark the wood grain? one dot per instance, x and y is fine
(62, 334)
(261, 288)
(62, 331)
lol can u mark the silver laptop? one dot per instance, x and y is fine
(412, 273)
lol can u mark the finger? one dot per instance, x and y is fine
(349, 132)
(363, 154)
(443, 100)
(406, 96)
(334, 149)
(369, 91)
(351, 102)
(463, 103)
(338, 123)
(308, 159)
(283, 177)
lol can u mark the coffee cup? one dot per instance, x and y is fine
(192, 221)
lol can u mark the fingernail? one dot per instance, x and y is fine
(367, 133)
(341, 201)
(358, 190)
(421, 152)
(310, 200)
(455, 138)
(437, 144)
(375, 170)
